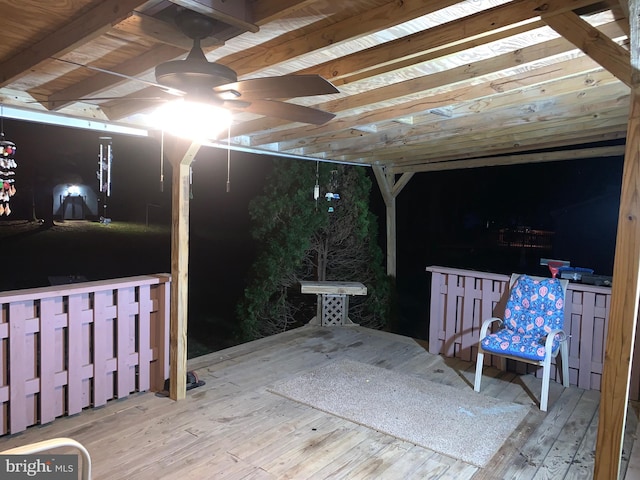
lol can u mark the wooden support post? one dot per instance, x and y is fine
(625, 288)
(180, 154)
(390, 190)
(392, 236)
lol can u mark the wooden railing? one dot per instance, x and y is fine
(462, 299)
(66, 348)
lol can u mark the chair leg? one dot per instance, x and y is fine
(546, 373)
(479, 365)
(564, 352)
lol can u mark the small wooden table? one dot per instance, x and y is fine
(333, 300)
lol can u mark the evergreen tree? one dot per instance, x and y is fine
(305, 239)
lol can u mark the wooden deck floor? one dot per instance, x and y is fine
(233, 428)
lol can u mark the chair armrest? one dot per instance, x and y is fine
(548, 343)
(486, 324)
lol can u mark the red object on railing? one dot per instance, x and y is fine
(554, 268)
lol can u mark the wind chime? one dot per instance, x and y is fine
(104, 173)
(7, 164)
(333, 185)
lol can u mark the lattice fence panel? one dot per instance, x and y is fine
(334, 310)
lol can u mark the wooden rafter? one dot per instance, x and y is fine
(592, 42)
(166, 33)
(465, 81)
(103, 81)
(287, 47)
(481, 28)
(520, 159)
(88, 26)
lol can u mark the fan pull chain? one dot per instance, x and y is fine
(229, 158)
(162, 161)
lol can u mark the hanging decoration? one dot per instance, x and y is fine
(332, 195)
(105, 159)
(316, 187)
(162, 161)
(229, 158)
(7, 164)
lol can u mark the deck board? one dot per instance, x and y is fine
(234, 428)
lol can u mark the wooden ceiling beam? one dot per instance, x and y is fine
(562, 112)
(363, 65)
(104, 81)
(287, 47)
(564, 143)
(592, 42)
(142, 25)
(520, 159)
(131, 104)
(493, 142)
(460, 76)
(265, 11)
(491, 19)
(624, 6)
(233, 13)
(552, 136)
(408, 161)
(146, 26)
(483, 92)
(82, 29)
(481, 28)
(522, 109)
(431, 124)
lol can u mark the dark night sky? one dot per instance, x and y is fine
(577, 199)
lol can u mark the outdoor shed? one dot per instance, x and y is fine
(74, 202)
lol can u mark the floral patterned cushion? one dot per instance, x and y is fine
(535, 307)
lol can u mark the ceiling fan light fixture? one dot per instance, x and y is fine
(193, 120)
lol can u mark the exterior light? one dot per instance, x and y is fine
(193, 120)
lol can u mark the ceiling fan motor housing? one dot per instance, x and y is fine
(195, 74)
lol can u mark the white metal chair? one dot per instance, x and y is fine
(531, 331)
(47, 445)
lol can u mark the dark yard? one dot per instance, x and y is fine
(78, 250)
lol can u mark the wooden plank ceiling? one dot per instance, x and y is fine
(423, 85)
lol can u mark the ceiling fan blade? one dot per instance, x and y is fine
(284, 110)
(96, 99)
(172, 91)
(285, 86)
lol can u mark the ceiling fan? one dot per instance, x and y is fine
(197, 79)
